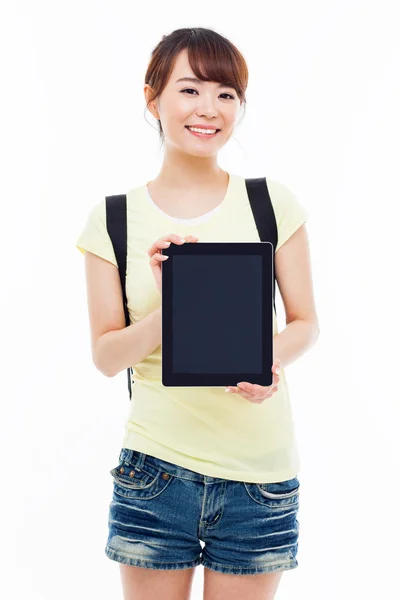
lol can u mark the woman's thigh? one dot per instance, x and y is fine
(220, 586)
(147, 584)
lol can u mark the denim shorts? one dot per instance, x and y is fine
(160, 511)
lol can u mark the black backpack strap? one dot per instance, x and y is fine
(117, 230)
(264, 215)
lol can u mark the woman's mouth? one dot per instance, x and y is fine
(202, 135)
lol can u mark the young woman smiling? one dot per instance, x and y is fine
(197, 464)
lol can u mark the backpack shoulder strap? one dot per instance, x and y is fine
(117, 230)
(264, 215)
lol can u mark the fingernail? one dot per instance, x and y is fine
(182, 240)
(277, 371)
(227, 390)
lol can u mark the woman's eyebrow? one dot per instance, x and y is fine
(198, 81)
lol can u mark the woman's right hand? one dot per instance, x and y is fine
(156, 258)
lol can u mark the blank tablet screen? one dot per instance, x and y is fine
(217, 314)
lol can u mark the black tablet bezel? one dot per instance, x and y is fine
(263, 249)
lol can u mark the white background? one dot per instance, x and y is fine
(323, 118)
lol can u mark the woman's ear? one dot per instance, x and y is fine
(152, 107)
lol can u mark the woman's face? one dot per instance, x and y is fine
(195, 103)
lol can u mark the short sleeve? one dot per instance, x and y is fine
(94, 236)
(289, 212)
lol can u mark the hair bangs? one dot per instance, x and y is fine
(215, 61)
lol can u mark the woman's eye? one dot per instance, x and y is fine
(192, 90)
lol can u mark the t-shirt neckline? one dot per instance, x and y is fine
(215, 211)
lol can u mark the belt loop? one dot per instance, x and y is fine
(140, 461)
(127, 455)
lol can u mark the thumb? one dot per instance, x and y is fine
(276, 366)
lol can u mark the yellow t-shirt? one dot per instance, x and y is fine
(203, 429)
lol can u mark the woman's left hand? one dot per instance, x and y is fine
(257, 393)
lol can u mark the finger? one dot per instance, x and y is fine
(250, 397)
(256, 400)
(235, 390)
(254, 388)
(165, 242)
(174, 237)
(262, 397)
(276, 367)
(157, 258)
(158, 245)
(255, 391)
(245, 386)
(275, 379)
(276, 371)
(261, 390)
(246, 390)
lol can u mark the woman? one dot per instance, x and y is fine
(197, 463)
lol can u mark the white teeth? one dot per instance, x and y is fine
(210, 131)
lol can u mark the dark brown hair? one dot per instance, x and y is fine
(212, 57)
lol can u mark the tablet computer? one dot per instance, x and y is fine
(217, 314)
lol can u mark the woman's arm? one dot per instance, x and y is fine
(297, 337)
(115, 347)
(293, 274)
(117, 350)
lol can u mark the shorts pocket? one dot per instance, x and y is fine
(146, 482)
(275, 495)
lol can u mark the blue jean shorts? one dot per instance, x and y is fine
(160, 511)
